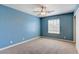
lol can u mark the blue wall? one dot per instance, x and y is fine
(14, 25)
(66, 26)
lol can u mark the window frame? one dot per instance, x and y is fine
(54, 23)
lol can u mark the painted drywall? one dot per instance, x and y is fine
(77, 29)
(66, 26)
(16, 26)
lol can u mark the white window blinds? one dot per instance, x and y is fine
(54, 26)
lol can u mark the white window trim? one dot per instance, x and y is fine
(50, 30)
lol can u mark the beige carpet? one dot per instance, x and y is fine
(42, 46)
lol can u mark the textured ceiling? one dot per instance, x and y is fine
(57, 8)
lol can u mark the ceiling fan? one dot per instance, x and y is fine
(42, 10)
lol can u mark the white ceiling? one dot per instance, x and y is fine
(57, 8)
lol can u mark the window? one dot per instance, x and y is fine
(54, 26)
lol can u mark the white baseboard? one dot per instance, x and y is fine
(57, 39)
(19, 43)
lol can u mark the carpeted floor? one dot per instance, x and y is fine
(42, 46)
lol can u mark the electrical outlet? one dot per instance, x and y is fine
(23, 38)
(11, 42)
(64, 37)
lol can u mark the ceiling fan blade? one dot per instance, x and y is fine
(49, 11)
(46, 11)
(36, 11)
